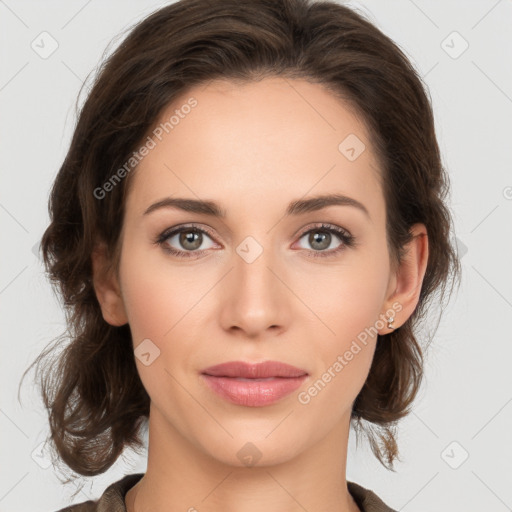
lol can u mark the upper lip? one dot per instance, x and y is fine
(254, 371)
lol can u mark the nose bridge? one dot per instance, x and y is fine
(255, 295)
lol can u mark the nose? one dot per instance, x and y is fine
(255, 298)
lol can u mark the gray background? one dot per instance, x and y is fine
(464, 408)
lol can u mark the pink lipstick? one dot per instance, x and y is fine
(254, 385)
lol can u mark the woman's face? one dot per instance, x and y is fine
(264, 282)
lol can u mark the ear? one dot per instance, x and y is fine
(107, 288)
(405, 283)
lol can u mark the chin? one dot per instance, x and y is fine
(256, 449)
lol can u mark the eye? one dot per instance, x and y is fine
(320, 238)
(188, 239)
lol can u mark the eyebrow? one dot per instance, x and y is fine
(297, 207)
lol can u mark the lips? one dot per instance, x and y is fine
(253, 385)
(263, 370)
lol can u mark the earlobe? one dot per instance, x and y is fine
(107, 288)
(409, 278)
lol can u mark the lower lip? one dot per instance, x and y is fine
(253, 392)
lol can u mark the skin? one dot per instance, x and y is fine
(254, 148)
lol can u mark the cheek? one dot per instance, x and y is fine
(156, 295)
(351, 311)
(349, 305)
(161, 301)
(347, 299)
(153, 307)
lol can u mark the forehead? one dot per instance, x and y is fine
(271, 139)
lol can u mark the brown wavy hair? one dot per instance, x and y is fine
(95, 399)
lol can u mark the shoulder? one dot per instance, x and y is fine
(86, 506)
(112, 499)
(366, 499)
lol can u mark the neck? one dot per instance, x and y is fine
(183, 476)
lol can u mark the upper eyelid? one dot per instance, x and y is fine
(178, 229)
(318, 225)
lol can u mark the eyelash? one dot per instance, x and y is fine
(346, 238)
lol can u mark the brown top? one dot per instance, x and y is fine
(112, 500)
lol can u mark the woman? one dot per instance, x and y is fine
(248, 225)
